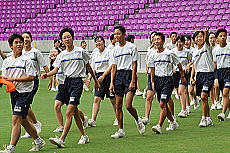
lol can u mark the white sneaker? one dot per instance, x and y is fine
(85, 122)
(7, 149)
(172, 126)
(203, 123)
(177, 96)
(145, 120)
(221, 116)
(157, 129)
(115, 123)
(182, 114)
(59, 129)
(138, 93)
(196, 104)
(144, 94)
(53, 89)
(118, 134)
(174, 92)
(92, 123)
(26, 136)
(213, 107)
(38, 127)
(228, 117)
(218, 105)
(174, 118)
(39, 146)
(192, 103)
(83, 140)
(140, 126)
(209, 122)
(188, 109)
(58, 142)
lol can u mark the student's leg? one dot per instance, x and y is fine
(16, 129)
(81, 115)
(119, 112)
(171, 106)
(96, 107)
(183, 96)
(148, 103)
(191, 92)
(226, 99)
(205, 106)
(216, 90)
(29, 128)
(31, 116)
(212, 95)
(164, 112)
(57, 108)
(78, 120)
(69, 115)
(113, 102)
(129, 107)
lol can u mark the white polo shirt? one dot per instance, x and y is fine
(170, 46)
(19, 67)
(222, 56)
(184, 57)
(73, 63)
(124, 56)
(163, 62)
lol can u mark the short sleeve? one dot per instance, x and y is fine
(214, 53)
(150, 61)
(4, 67)
(93, 61)
(85, 56)
(57, 62)
(134, 54)
(30, 69)
(113, 57)
(41, 59)
(174, 58)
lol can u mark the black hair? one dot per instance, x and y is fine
(211, 33)
(56, 40)
(66, 30)
(153, 32)
(83, 41)
(188, 37)
(161, 35)
(121, 28)
(130, 37)
(173, 33)
(181, 38)
(14, 36)
(99, 37)
(219, 31)
(29, 33)
(111, 37)
(196, 34)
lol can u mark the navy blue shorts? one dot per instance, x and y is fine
(21, 103)
(149, 83)
(215, 74)
(73, 90)
(176, 79)
(204, 82)
(163, 87)
(104, 90)
(61, 94)
(122, 82)
(35, 88)
(223, 78)
(187, 77)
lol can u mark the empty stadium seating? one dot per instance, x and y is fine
(88, 18)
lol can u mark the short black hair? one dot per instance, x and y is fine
(121, 28)
(14, 36)
(153, 32)
(99, 37)
(211, 33)
(173, 33)
(196, 34)
(111, 37)
(130, 37)
(66, 29)
(29, 33)
(56, 40)
(161, 35)
(188, 37)
(181, 38)
(83, 41)
(219, 31)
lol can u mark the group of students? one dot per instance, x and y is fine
(177, 65)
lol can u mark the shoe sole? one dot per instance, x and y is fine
(220, 118)
(155, 131)
(203, 125)
(118, 137)
(55, 143)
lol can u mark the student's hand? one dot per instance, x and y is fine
(9, 78)
(187, 69)
(206, 30)
(183, 80)
(132, 86)
(50, 85)
(44, 76)
(192, 81)
(97, 85)
(101, 78)
(153, 86)
(111, 88)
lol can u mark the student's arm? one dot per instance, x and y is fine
(182, 75)
(192, 78)
(113, 72)
(53, 72)
(47, 70)
(3, 55)
(96, 82)
(21, 79)
(215, 66)
(133, 83)
(206, 30)
(152, 72)
(107, 71)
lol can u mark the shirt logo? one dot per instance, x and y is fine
(205, 88)
(227, 84)
(17, 109)
(163, 96)
(72, 98)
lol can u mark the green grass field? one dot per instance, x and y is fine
(187, 138)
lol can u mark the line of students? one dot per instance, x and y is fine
(115, 75)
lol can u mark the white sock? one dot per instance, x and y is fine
(207, 118)
(203, 117)
(12, 147)
(121, 130)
